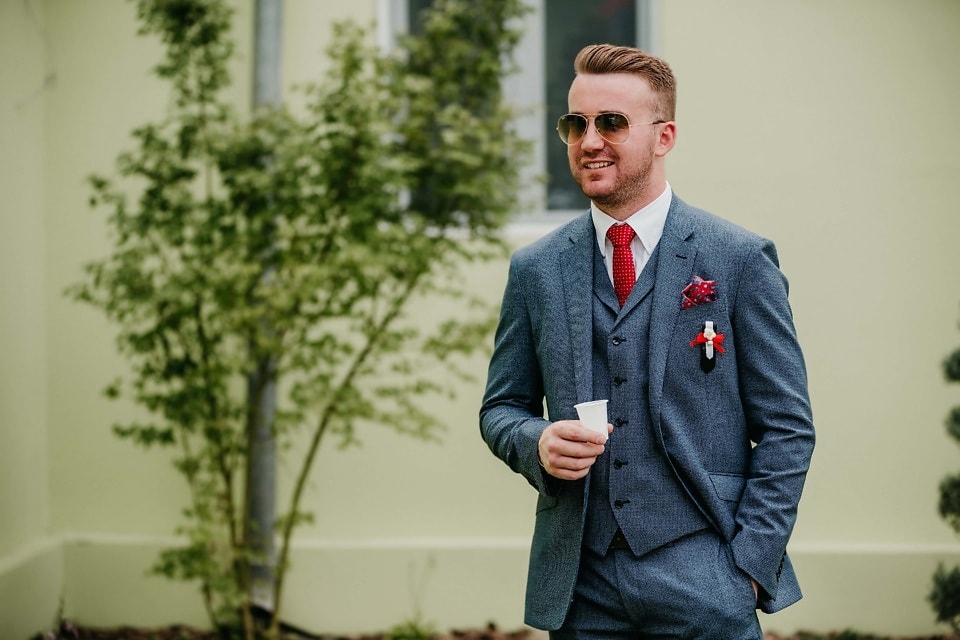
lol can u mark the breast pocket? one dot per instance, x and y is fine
(729, 487)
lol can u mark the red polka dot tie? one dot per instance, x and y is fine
(624, 273)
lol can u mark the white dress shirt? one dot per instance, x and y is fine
(647, 223)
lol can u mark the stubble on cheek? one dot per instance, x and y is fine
(589, 180)
(597, 184)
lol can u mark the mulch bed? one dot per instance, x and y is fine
(851, 635)
(70, 631)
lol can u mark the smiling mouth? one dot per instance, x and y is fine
(597, 165)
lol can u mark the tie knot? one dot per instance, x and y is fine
(620, 234)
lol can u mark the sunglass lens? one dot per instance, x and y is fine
(613, 126)
(571, 127)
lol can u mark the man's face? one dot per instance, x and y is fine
(618, 177)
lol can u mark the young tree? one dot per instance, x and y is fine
(945, 595)
(299, 241)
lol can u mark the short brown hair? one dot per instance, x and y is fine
(608, 58)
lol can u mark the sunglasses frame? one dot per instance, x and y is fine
(587, 117)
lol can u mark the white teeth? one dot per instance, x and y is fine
(597, 165)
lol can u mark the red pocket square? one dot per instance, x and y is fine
(699, 291)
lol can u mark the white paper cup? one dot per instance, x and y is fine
(593, 415)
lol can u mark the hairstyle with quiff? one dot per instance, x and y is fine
(608, 58)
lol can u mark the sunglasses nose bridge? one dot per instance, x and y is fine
(575, 127)
(593, 126)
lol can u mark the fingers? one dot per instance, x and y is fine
(573, 431)
(567, 450)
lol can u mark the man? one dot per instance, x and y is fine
(675, 525)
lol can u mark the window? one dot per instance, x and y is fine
(553, 34)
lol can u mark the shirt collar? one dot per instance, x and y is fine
(647, 223)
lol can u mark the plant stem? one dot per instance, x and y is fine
(345, 383)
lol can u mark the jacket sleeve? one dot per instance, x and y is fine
(512, 411)
(773, 389)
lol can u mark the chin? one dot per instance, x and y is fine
(600, 196)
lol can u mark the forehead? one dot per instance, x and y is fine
(627, 93)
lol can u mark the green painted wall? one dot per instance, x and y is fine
(832, 128)
(827, 126)
(25, 558)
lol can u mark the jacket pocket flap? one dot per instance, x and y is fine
(546, 502)
(729, 487)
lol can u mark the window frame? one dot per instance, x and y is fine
(527, 92)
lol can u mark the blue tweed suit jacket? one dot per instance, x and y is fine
(739, 437)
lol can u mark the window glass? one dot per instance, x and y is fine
(570, 26)
(553, 33)
(414, 9)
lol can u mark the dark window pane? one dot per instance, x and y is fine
(414, 19)
(571, 25)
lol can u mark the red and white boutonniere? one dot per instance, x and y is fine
(712, 342)
(699, 291)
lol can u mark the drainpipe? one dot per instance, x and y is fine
(262, 391)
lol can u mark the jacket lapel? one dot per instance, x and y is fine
(678, 251)
(576, 271)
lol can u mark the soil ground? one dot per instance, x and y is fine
(70, 631)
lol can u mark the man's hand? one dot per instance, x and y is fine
(568, 450)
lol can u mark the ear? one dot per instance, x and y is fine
(668, 138)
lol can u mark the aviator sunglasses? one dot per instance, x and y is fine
(612, 127)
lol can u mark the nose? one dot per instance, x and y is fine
(591, 138)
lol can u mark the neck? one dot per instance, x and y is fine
(648, 194)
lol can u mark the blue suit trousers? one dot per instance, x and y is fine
(689, 589)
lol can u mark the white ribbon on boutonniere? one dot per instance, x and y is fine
(712, 342)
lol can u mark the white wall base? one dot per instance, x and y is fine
(31, 580)
(369, 586)
(870, 589)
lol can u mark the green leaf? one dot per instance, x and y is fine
(287, 251)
